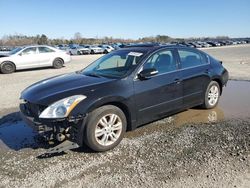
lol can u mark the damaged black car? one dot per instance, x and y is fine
(121, 91)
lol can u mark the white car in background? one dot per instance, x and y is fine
(33, 57)
(79, 50)
(95, 49)
(107, 48)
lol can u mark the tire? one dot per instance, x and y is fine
(78, 53)
(105, 52)
(7, 67)
(92, 52)
(212, 95)
(106, 138)
(58, 63)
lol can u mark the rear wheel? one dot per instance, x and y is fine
(212, 95)
(58, 63)
(7, 67)
(105, 128)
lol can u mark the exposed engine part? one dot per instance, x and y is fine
(60, 137)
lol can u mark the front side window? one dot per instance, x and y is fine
(29, 51)
(191, 59)
(16, 50)
(162, 61)
(45, 50)
(116, 64)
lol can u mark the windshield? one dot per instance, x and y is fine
(115, 65)
(14, 51)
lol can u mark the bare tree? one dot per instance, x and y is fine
(78, 37)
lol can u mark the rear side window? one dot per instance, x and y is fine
(191, 59)
(45, 50)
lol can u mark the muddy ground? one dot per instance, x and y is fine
(196, 148)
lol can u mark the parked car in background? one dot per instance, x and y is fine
(95, 49)
(79, 50)
(204, 44)
(107, 48)
(33, 57)
(117, 46)
(121, 91)
(64, 47)
(211, 43)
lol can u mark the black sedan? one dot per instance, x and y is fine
(121, 91)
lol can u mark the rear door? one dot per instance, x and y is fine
(162, 93)
(195, 71)
(46, 56)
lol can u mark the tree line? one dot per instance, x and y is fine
(20, 40)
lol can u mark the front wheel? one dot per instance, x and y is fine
(7, 67)
(212, 95)
(105, 128)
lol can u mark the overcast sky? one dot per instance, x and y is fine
(125, 18)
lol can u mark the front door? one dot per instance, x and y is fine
(157, 96)
(27, 58)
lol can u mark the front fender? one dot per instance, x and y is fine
(88, 105)
(84, 108)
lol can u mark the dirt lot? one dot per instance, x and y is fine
(196, 148)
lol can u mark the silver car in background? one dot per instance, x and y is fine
(33, 57)
(79, 50)
(107, 48)
(95, 49)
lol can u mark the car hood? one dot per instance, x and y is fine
(53, 89)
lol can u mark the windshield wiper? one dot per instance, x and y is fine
(92, 74)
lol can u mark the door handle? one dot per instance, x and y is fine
(207, 71)
(177, 81)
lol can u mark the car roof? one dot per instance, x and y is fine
(147, 48)
(27, 46)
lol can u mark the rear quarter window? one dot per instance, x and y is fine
(190, 58)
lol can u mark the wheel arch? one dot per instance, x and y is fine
(125, 110)
(219, 82)
(115, 101)
(97, 104)
(59, 58)
(6, 62)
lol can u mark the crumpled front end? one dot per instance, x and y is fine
(53, 130)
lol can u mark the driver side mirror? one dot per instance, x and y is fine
(147, 73)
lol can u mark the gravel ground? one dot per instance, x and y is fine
(184, 150)
(197, 155)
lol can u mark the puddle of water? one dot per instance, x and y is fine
(16, 136)
(235, 100)
(234, 103)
